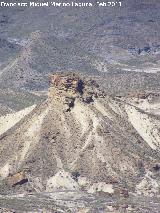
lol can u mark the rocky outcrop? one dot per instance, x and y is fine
(63, 81)
(72, 86)
(18, 178)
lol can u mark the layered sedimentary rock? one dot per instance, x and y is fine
(83, 139)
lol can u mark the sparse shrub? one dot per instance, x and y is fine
(75, 175)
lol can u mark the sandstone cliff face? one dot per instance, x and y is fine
(71, 87)
(80, 138)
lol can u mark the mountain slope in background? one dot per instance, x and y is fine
(97, 39)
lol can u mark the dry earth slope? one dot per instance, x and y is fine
(81, 139)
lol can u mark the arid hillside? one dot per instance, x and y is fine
(82, 140)
(35, 41)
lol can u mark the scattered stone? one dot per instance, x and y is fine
(61, 180)
(101, 187)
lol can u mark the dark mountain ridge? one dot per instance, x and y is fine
(86, 39)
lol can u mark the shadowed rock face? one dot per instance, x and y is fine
(69, 86)
(18, 178)
(66, 82)
(108, 145)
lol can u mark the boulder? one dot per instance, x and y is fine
(18, 178)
